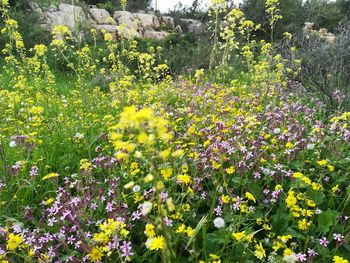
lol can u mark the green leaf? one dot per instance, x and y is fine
(215, 240)
(315, 196)
(326, 220)
(280, 220)
(294, 233)
(256, 190)
(218, 237)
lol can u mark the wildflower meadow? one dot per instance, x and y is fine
(152, 167)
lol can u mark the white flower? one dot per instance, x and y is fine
(276, 130)
(149, 242)
(136, 188)
(266, 171)
(290, 258)
(79, 136)
(138, 154)
(146, 208)
(310, 146)
(219, 222)
(318, 211)
(12, 144)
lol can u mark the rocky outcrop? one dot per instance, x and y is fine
(101, 16)
(167, 22)
(309, 28)
(68, 15)
(121, 24)
(152, 34)
(192, 26)
(128, 27)
(102, 21)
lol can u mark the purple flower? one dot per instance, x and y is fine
(93, 206)
(109, 206)
(34, 171)
(301, 257)
(167, 221)
(126, 249)
(15, 168)
(324, 242)
(163, 196)
(338, 237)
(218, 211)
(311, 253)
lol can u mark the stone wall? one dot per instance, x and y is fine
(120, 24)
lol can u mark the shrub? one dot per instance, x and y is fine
(326, 67)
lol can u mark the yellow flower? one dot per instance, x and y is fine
(149, 231)
(36, 110)
(164, 154)
(284, 239)
(330, 168)
(335, 188)
(186, 207)
(96, 254)
(250, 197)
(297, 175)
(101, 237)
(225, 199)
(189, 231)
(155, 243)
(40, 49)
(259, 251)
(287, 35)
(277, 245)
(239, 235)
(177, 153)
(287, 252)
(166, 173)
(181, 229)
(289, 145)
(5, 2)
(13, 241)
(291, 199)
(310, 203)
(49, 201)
(230, 170)
(303, 224)
(184, 179)
(322, 163)
(148, 178)
(337, 259)
(50, 175)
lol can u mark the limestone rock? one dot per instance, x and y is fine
(101, 16)
(147, 21)
(128, 26)
(68, 15)
(178, 29)
(112, 29)
(309, 26)
(167, 22)
(192, 26)
(158, 35)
